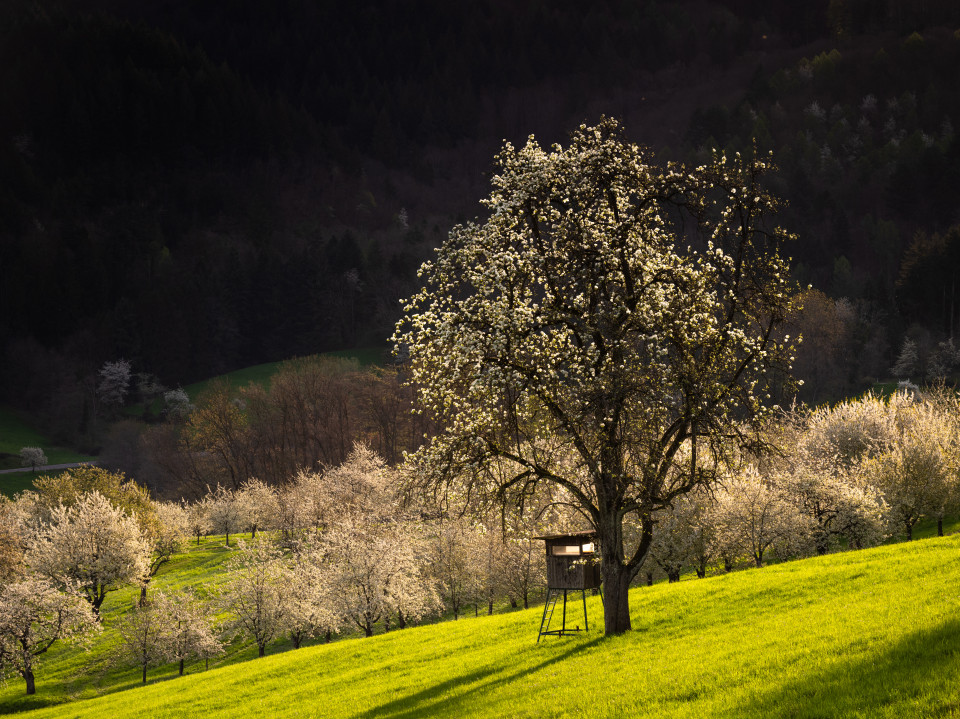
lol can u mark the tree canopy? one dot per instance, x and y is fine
(611, 328)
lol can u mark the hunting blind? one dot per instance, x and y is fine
(571, 566)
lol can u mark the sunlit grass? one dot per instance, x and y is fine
(873, 633)
(262, 374)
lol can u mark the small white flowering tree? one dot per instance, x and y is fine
(838, 504)
(177, 404)
(452, 560)
(91, 545)
(34, 615)
(198, 517)
(167, 530)
(686, 536)
(374, 553)
(756, 515)
(32, 457)
(254, 595)
(376, 574)
(304, 503)
(261, 505)
(226, 511)
(908, 359)
(943, 361)
(610, 311)
(143, 632)
(190, 631)
(311, 596)
(916, 474)
(114, 383)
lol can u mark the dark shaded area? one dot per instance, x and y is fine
(200, 186)
(445, 697)
(921, 663)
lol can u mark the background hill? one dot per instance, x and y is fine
(197, 187)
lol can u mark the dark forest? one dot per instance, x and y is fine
(197, 187)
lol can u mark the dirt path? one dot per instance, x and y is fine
(46, 467)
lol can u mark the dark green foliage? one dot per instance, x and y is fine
(189, 185)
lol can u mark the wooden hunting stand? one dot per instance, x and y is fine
(571, 566)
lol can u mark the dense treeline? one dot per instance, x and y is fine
(197, 187)
(146, 214)
(864, 134)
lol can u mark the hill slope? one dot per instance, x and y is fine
(870, 633)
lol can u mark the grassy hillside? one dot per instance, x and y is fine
(16, 432)
(872, 633)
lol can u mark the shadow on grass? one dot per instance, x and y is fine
(917, 676)
(444, 697)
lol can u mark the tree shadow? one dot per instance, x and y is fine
(918, 673)
(435, 700)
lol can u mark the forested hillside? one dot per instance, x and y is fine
(195, 187)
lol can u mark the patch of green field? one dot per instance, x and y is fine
(11, 484)
(261, 374)
(16, 433)
(873, 633)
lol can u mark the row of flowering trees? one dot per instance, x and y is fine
(349, 548)
(849, 476)
(331, 551)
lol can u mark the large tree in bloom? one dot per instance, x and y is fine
(609, 318)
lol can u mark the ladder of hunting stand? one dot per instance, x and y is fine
(548, 607)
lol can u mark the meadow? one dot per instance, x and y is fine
(16, 432)
(873, 633)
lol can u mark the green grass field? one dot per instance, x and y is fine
(874, 633)
(17, 433)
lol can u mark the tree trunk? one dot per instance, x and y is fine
(526, 599)
(31, 684)
(181, 666)
(649, 579)
(616, 600)
(490, 605)
(401, 620)
(513, 602)
(144, 673)
(261, 649)
(939, 526)
(143, 593)
(673, 576)
(909, 531)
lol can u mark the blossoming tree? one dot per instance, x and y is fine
(608, 314)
